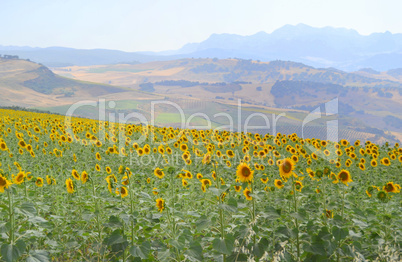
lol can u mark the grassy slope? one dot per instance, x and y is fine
(263, 77)
(15, 74)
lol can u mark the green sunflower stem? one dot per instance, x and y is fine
(26, 190)
(296, 222)
(324, 200)
(131, 211)
(254, 219)
(97, 211)
(11, 215)
(343, 202)
(221, 215)
(124, 251)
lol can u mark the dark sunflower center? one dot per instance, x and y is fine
(246, 172)
(343, 176)
(287, 167)
(2, 181)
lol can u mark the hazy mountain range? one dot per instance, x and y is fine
(340, 48)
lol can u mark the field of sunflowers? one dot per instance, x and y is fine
(84, 190)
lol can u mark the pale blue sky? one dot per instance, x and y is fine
(155, 25)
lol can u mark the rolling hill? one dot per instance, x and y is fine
(204, 86)
(27, 84)
(368, 100)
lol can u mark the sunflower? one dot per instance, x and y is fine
(187, 174)
(344, 176)
(183, 147)
(48, 180)
(4, 183)
(370, 190)
(391, 188)
(199, 176)
(108, 170)
(344, 142)
(98, 156)
(22, 143)
(206, 182)
(362, 166)
(75, 174)
(159, 173)
(314, 156)
(169, 150)
(298, 185)
(3, 146)
(286, 168)
(246, 193)
(70, 185)
(228, 163)
(28, 175)
(385, 161)
(84, 177)
(223, 195)
(19, 178)
(97, 167)
(230, 153)
(155, 191)
(329, 213)
(278, 183)
(160, 204)
(125, 180)
(213, 175)
(32, 153)
(237, 188)
(382, 196)
(123, 192)
(244, 173)
(264, 180)
(184, 182)
(39, 182)
(140, 152)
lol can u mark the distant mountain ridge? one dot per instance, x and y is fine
(340, 48)
(320, 47)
